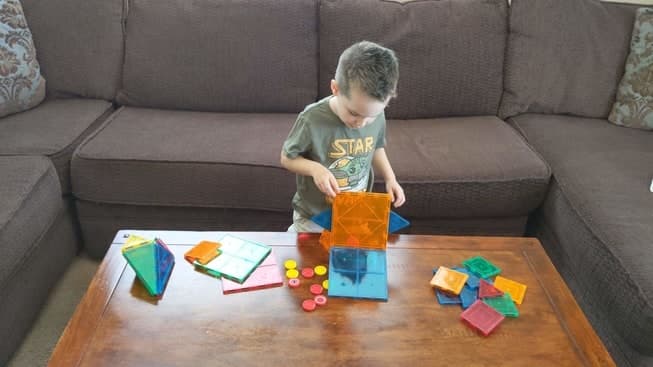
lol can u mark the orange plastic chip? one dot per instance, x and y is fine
(515, 289)
(203, 252)
(449, 280)
(360, 219)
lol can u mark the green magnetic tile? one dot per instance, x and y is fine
(238, 260)
(238, 269)
(253, 252)
(230, 244)
(481, 267)
(143, 260)
(503, 304)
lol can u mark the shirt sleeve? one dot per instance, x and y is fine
(380, 140)
(298, 142)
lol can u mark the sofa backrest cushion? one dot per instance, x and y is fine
(450, 51)
(221, 55)
(565, 57)
(79, 45)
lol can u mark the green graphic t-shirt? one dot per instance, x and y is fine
(320, 135)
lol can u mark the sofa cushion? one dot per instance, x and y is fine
(223, 56)
(23, 87)
(634, 104)
(450, 51)
(604, 172)
(180, 158)
(565, 57)
(465, 167)
(30, 201)
(79, 45)
(54, 129)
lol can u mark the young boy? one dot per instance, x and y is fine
(336, 141)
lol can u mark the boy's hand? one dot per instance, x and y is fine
(326, 182)
(396, 193)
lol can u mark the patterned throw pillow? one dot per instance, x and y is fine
(21, 84)
(634, 104)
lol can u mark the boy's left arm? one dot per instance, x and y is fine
(382, 166)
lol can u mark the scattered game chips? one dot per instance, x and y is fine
(292, 273)
(320, 270)
(290, 264)
(320, 300)
(325, 284)
(294, 282)
(515, 289)
(482, 317)
(481, 267)
(308, 273)
(316, 289)
(449, 280)
(308, 305)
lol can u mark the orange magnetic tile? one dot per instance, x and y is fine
(325, 239)
(515, 289)
(360, 219)
(449, 280)
(203, 252)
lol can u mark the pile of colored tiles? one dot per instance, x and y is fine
(486, 303)
(316, 289)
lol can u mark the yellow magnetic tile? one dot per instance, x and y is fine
(134, 241)
(360, 219)
(449, 280)
(515, 289)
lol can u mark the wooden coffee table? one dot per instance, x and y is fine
(194, 324)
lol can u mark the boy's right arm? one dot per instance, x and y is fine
(323, 178)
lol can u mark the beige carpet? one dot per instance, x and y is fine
(60, 306)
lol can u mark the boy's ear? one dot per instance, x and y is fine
(334, 87)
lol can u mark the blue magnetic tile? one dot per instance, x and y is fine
(342, 284)
(473, 281)
(468, 296)
(347, 259)
(373, 286)
(375, 261)
(445, 299)
(323, 219)
(165, 262)
(397, 222)
(358, 273)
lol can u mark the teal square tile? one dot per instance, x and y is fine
(372, 285)
(342, 283)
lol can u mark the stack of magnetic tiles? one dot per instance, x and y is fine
(486, 303)
(151, 260)
(241, 264)
(356, 239)
(316, 289)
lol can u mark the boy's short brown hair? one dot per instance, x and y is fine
(368, 66)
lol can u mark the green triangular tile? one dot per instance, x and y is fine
(143, 260)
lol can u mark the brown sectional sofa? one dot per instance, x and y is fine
(170, 115)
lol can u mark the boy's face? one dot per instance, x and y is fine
(358, 109)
